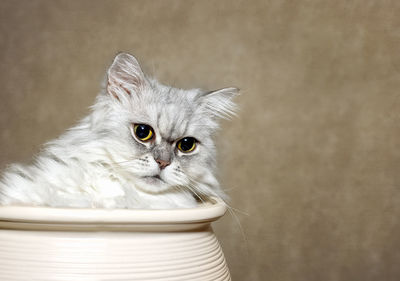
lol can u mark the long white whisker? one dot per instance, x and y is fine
(231, 210)
(191, 189)
(195, 193)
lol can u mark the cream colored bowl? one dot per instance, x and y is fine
(97, 244)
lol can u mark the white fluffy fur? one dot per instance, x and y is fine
(100, 163)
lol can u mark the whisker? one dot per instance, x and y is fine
(231, 210)
(239, 211)
(236, 218)
(192, 189)
(182, 187)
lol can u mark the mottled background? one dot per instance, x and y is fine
(314, 156)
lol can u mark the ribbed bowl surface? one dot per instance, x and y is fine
(88, 244)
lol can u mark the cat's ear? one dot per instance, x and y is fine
(124, 76)
(220, 103)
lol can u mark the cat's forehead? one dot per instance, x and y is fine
(172, 112)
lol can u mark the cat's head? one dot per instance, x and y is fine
(159, 135)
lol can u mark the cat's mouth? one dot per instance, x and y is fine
(154, 179)
(152, 184)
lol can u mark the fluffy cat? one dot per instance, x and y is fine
(144, 145)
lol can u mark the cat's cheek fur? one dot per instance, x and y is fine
(143, 166)
(175, 176)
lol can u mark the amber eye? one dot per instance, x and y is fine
(143, 132)
(187, 144)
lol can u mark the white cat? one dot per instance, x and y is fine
(144, 145)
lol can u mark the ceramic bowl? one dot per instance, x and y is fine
(38, 243)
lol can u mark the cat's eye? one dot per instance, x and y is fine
(187, 144)
(143, 132)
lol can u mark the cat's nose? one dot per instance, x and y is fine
(162, 163)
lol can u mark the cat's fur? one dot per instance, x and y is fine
(100, 163)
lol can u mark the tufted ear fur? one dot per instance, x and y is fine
(220, 103)
(124, 76)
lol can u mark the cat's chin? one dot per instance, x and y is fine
(154, 180)
(152, 184)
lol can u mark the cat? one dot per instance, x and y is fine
(143, 145)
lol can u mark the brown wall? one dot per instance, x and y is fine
(314, 156)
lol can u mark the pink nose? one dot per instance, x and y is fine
(162, 164)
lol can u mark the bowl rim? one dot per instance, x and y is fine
(206, 212)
